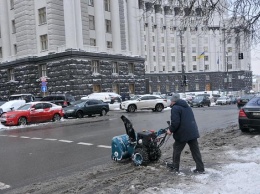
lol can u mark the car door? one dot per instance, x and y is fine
(36, 113)
(90, 107)
(143, 102)
(47, 112)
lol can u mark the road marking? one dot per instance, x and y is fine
(82, 143)
(25, 137)
(12, 136)
(4, 186)
(65, 141)
(36, 138)
(3, 135)
(49, 139)
(103, 146)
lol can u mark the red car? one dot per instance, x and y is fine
(33, 112)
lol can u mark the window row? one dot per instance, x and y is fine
(95, 68)
(106, 4)
(92, 24)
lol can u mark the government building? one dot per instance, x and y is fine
(124, 46)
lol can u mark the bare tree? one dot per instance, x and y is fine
(238, 15)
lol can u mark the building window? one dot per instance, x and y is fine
(163, 68)
(42, 70)
(12, 4)
(173, 58)
(107, 5)
(193, 40)
(229, 58)
(229, 40)
(95, 66)
(197, 86)
(116, 88)
(15, 49)
(194, 67)
(207, 77)
(131, 88)
(108, 26)
(163, 58)
(153, 38)
(158, 88)
(206, 67)
(115, 68)
(96, 88)
(92, 42)
(173, 49)
(154, 68)
(193, 50)
(154, 58)
(153, 48)
(13, 26)
(91, 22)
(44, 42)
(206, 49)
(42, 15)
(109, 44)
(229, 49)
(172, 40)
(91, 3)
(173, 68)
(162, 39)
(167, 88)
(206, 58)
(10, 74)
(194, 58)
(144, 38)
(163, 49)
(131, 68)
(176, 88)
(229, 66)
(1, 52)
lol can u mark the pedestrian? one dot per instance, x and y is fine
(185, 131)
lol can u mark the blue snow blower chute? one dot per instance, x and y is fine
(142, 147)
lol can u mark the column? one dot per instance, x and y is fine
(5, 29)
(115, 22)
(141, 23)
(131, 19)
(167, 12)
(78, 22)
(100, 25)
(159, 44)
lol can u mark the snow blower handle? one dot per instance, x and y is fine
(164, 131)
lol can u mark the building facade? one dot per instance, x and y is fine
(149, 39)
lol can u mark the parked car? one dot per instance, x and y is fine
(59, 99)
(33, 112)
(108, 97)
(11, 105)
(233, 100)
(215, 97)
(26, 97)
(200, 101)
(89, 107)
(152, 102)
(249, 115)
(223, 100)
(244, 99)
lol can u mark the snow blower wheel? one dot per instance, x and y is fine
(140, 157)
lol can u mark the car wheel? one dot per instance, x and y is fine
(22, 121)
(56, 117)
(159, 107)
(140, 157)
(131, 108)
(103, 112)
(79, 114)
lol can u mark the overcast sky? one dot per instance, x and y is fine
(255, 60)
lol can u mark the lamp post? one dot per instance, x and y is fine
(184, 80)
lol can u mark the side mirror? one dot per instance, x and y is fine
(12, 108)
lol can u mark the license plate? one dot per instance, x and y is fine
(256, 113)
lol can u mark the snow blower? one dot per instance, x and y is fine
(142, 147)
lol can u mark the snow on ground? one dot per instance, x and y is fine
(240, 177)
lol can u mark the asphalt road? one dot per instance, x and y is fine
(41, 152)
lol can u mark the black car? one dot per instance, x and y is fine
(59, 99)
(243, 100)
(200, 101)
(249, 115)
(88, 107)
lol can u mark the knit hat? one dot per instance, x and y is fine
(175, 97)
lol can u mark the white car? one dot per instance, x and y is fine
(11, 105)
(108, 97)
(152, 102)
(223, 100)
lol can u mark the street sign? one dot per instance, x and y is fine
(44, 88)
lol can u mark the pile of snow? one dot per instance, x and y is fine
(240, 177)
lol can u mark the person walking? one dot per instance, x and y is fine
(185, 131)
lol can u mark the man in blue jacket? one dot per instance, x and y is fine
(185, 131)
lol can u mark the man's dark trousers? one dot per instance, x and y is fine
(194, 148)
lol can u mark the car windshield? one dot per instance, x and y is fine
(25, 107)
(198, 98)
(16, 98)
(78, 103)
(135, 97)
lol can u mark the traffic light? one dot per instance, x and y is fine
(185, 82)
(240, 56)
